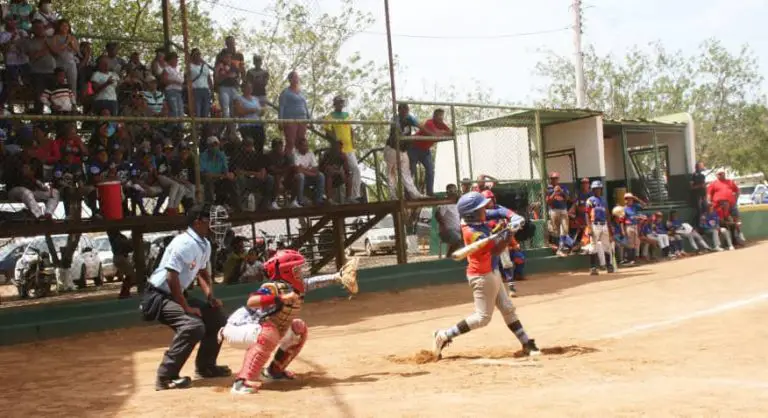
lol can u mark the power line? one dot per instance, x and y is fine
(398, 35)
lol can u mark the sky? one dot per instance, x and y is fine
(471, 45)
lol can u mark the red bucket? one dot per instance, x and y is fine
(111, 199)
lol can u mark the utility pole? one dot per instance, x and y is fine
(578, 56)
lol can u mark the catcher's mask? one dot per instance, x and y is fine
(219, 225)
(288, 266)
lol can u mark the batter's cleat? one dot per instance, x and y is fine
(165, 383)
(241, 387)
(440, 342)
(213, 372)
(530, 349)
(593, 271)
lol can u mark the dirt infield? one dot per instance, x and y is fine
(683, 338)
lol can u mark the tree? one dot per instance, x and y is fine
(718, 87)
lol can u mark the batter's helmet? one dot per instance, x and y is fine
(470, 203)
(287, 265)
(597, 184)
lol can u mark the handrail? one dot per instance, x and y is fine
(162, 119)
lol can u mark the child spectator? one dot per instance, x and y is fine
(162, 162)
(334, 165)
(70, 144)
(22, 176)
(98, 171)
(67, 178)
(143, 182)
(660, 233)
(183, 171)
(59, 97)
(252, 270)
(647, 238)
(710, 223)
(120, 170)
(621, 243)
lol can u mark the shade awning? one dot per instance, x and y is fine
(525, 117)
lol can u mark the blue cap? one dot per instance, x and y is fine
(470, 203)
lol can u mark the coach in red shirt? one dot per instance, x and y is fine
(722, 189)
(420, 151)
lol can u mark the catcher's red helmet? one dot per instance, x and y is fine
(286, 265)
(488, 194)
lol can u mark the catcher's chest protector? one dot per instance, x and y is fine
(283, 317)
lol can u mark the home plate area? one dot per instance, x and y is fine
(677, 338)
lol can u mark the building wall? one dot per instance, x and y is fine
(586, 137)
(614, 160)
(502, 153)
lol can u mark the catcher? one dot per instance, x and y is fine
(484, 278)
(270, 320)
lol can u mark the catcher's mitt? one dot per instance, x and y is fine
(348, 275)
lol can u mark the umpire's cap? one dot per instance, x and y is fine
(470, 203)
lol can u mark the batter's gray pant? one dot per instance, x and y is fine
(488, 291)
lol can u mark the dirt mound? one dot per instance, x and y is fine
(422, 357)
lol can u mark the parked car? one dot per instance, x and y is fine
(9, 255)
(104, 249)
(86, 264)
(760, 194)
(380, 238)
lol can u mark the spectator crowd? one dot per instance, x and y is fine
(46, 63)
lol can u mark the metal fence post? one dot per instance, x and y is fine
(455, 146)
(542, 166)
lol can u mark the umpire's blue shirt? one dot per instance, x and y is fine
(187, 254)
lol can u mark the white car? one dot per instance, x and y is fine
(104, 248)
(86, 263)
(380, 238)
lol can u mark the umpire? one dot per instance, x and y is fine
(165, 300)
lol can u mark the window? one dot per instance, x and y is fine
(653, 178)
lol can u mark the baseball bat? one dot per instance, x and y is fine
(470, 249)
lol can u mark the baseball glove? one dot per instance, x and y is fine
(348, 275)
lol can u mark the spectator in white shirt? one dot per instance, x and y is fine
(202, 83)
(448, 221)
(104, 88)
(173, 81)
(307, 172)
(16, 61)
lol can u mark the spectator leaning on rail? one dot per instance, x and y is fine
(293, 105)
(23, 180)
(343, 133)
(420, 151)
(406, 124)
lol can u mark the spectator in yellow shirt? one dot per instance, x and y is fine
(342, 132)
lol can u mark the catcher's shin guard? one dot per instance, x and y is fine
(290, 346)
(259, 352)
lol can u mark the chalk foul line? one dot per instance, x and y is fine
(693, 315)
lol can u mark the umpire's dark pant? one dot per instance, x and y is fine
(190, 330)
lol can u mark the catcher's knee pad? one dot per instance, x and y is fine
(258, 353)
(291, 344)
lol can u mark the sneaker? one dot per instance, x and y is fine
(731, 248)
(530, 349)
(268, 376)
(240, 387)
(294, 204)
(719, 249)
(213, 372)
(593, 271)
(273, 206)
(440, 342)
(165, 383)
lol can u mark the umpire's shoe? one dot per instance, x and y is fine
(165, 383)
(213, 372)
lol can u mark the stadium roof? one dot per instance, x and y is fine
(524, 117)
